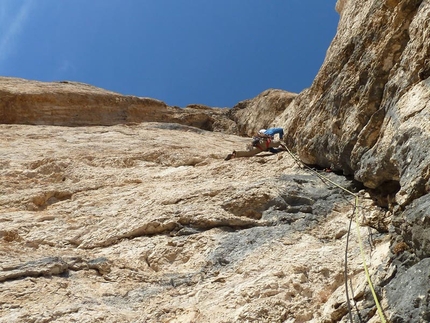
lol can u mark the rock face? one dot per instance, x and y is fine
(148, 223)
(77, 104)
(121, 209)
(367, 111)
(257, 113)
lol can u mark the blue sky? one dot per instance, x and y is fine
(213, 52)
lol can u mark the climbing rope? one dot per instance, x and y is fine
(354, 216)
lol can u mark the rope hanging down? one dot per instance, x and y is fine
(354, 216)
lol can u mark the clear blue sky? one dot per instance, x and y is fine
(213, 52)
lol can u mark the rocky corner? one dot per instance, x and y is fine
(122, 209)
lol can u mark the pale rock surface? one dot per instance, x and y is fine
(370, 99)
(138, 221)
(258, 113)
(148, 223)
(77, 104)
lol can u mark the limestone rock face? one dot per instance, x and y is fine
(258, 113)
(122, 209)
(148, 223)
(77, 104)
(367, 111)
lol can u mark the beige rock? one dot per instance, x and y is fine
(133, 220)
(367, 110)
(142, 223)
(78, 104)
(258, 113)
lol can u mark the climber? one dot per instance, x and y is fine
(271, 132)
(258, 145)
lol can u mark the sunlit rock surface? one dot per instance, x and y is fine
(367, 112)
(122, 209)
(77, 104)
(148, 223)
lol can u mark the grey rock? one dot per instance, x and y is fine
(34, 268)
(413, 225)
(408, 295)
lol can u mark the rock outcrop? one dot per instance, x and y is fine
(148, 223)
(78, 104)
(367, 114)
(258, 113)
(119, 208)
(367, 111)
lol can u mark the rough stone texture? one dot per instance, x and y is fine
(257, 113)
(77, 104)
(367, 111)
(413, 225)
(409, 294)
(148, 223)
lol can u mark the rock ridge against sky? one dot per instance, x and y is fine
(119, 208)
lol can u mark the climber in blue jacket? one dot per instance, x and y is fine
(272, 132)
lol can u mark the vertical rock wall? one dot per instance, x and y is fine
(367, 114)
(367, 111)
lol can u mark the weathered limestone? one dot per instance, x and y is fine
(146, 223)
(133, 220)
(370, 99)
(258, 113)
(77, 104)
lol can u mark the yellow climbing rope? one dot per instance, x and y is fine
(366, 270)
